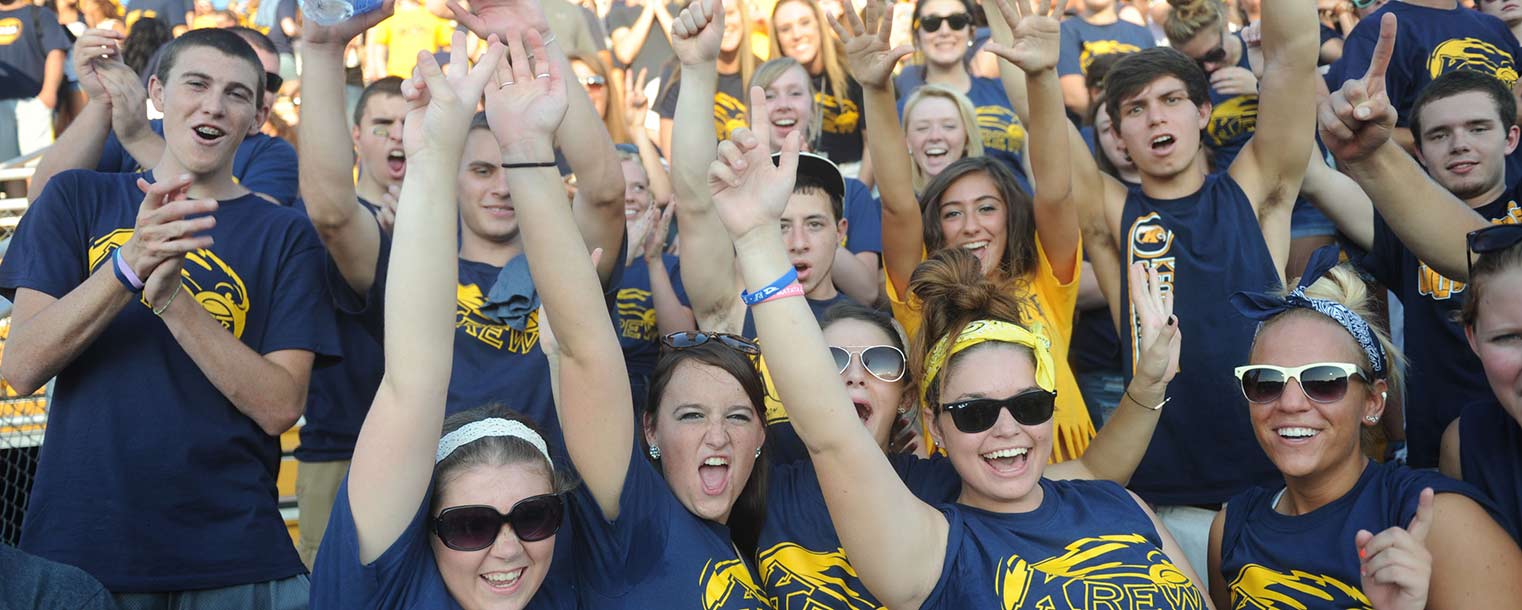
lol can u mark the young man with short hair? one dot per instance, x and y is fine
(181, 327)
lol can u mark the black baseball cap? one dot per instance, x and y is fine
(822, 170)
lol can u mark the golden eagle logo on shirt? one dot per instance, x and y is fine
(1233, 119)
(797, 578)
(728, 114)
(1094, 573)
(1260, 588)
(1151, 243)
(1433, 284)
(468, 317)
(1472, 54)
(215, 284)
(727, 585)
(840, 115)
(1096, 48)
(636, 316)
(1000, 129)
(10, 30)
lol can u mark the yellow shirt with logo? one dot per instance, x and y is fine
(408, 31)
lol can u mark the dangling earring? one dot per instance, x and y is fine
(1373, 419)
(758, 453)
(655, 452)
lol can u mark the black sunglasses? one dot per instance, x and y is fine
(884, 362)
(272, 82)
(1490, 239)
(475, 527)
(1213, 56)
(1029, 408)
(932, 23)
(1322, 382)
(693, 338)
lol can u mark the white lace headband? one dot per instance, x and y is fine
(491, 427)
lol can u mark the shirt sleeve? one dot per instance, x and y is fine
(341, 580)
(114, 157)
(864, 222)
(300, 316)
(614, 553)
(54, 38)
(272, 170)
(47, 252)
(1069, 61)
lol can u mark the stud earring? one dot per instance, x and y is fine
(1384, 395)
(1373, 419)
(655, 452)
(758, 453)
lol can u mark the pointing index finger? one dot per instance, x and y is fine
(1422, 522)
(760, 118)
(1383, 51)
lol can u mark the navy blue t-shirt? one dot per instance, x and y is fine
(149, 478)
(1083, 41)
(728, 102)
(1001, 131)
(1233, 120)
(864, 219)
(171, 12)
(1442, 372)
(339, 396)
(1272, 560)
(1429, 43)
(404, 576)
(800, 555)
(263, 164)
(27, 35)
(1490, 454)
(656, 554)
(1087, 546)
(842, 122)
(1205, 247)
(783, 443)
(637, 331)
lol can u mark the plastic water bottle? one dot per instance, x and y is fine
(329, 12)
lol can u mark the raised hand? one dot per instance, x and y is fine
(441, 106)
(528, 100)
(1037, 35)
(639, 230)
(163, 230)
(655, 237)
(1160, 334)
(1395, 564)
(750, 192)
(128, 99)
(342, 32)
(505, 18)
(636, 104)
(1358, 118)
(868, 55)
(94, 50)
(697, 32)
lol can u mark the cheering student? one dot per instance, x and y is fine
(469, 519)
(1207, 234)
(1484, 445)
(797, 30)
(736, 66)
(1012, 539)
(974, 204)
(181, 327)
(1344, 531)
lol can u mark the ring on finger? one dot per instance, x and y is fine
(545, 75)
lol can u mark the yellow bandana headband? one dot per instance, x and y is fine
(983, 331)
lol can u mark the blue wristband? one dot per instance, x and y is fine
(752, 298)
(117, 265)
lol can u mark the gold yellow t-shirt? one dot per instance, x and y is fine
(408, 31)
(1052, 304)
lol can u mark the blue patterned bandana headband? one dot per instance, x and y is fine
(1262, 306)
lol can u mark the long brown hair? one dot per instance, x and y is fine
(613, 117)
(953, 293)
(1019, 260)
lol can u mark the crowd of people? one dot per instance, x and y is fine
(1176, 304)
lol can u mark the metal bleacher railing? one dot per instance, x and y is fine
(22, 418)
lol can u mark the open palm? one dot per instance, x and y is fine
(501, 17)
(1160, 335)
(749, 191)
(529, 99)
(868, 55)
(441, 106)
(1037, 39)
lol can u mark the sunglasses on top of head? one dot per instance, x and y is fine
(932, 23)
(475, 527)
(1491, 239)
(884, 362)
(1321, 382)
(692, 338)
(1030, 408)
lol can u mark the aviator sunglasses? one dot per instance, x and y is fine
(932, 23)
(475, 527)
(693, 338)
(1321, 382)
(1030, 407)
(884, 362)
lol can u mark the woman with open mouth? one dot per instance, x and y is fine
(1012, 539)
(1344, 531)
(1484, 445)
(975, 204)
(797, 31)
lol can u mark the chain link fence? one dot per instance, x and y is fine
(22, 418)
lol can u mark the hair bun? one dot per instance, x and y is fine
(1193, 11)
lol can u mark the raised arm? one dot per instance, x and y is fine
(708, 269)
(1356, 124)
(1120, 445)
(525, 109)
(1272, 163)
(1035, 49)
(394, 456)
(79, 146)
(871, 62)
(326, 159)
(898, 553)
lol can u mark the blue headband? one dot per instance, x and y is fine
(1262, 306)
